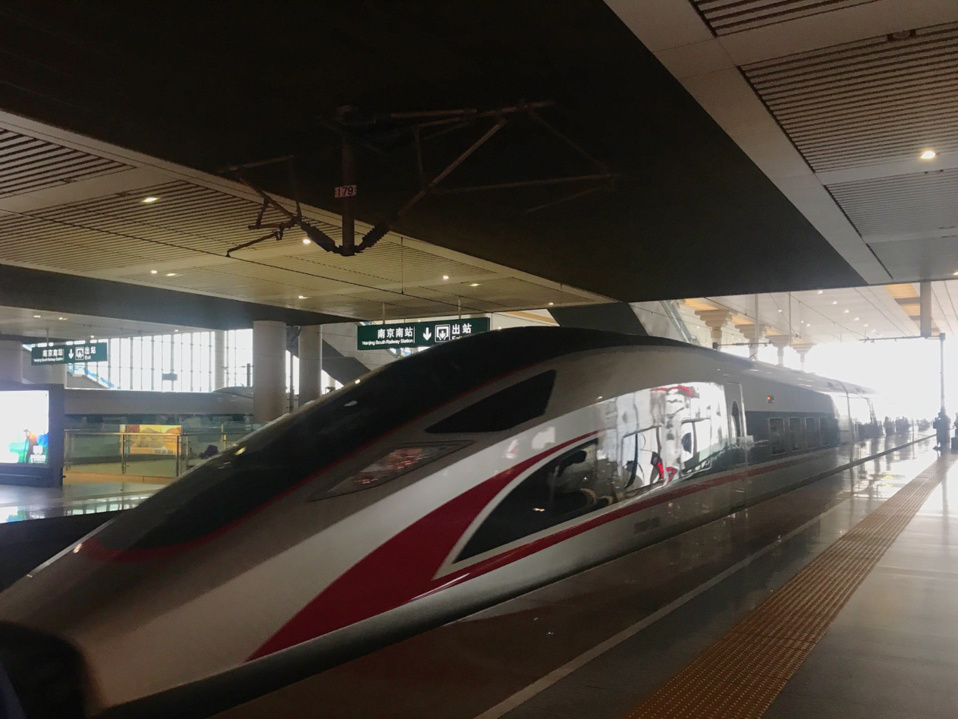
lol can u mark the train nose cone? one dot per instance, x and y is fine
(40, 677)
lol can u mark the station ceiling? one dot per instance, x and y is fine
(740, 147)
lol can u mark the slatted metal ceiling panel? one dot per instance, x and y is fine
(866, 102)
(28, 164)
(729, 16)
(918, 203)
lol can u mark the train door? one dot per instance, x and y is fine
(737, 442)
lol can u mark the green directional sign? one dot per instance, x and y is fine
(417, 334)
(69, 354)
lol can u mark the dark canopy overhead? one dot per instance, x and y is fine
(216, 84)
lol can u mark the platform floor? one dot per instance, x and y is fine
(26, 503)
(603, 643)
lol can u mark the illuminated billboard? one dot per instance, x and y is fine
(25, 427)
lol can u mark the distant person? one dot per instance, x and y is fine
(209, 451)
(942, 425)
(889, 427)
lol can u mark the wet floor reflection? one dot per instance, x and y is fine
(18, 504)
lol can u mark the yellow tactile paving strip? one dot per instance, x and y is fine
(741, 675)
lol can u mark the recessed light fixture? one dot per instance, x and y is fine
(866, 324)
(176, 330)
(955, 274)
(551, 304)
(152, 272)
(856, 319)
(928, 155)
(171, 274)
(92, 337)
(36, 317)
(820, 291)
(302, 297)
(61, 318)
(149, 200)
(834, 302)
(305, 240)
(474, 284)
(780, 312)
(845, 312)
(445, 277)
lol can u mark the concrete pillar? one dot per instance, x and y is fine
(715, 320)
(780, 342)
(219, 359)
(309, 359)
(11, 361)
(45, 374)
(269, 370)
(802, 347)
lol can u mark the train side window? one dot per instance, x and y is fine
(796, 433)
(776, 435)
(567, 487)
(506, 409)
(812, 435)
(829, 431)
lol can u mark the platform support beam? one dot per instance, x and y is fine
(219, 359)
(715, 320)
(780, 342)
(11, 361)
(925, 307)
(310, 356)
(269, 370)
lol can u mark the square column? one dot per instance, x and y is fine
(11, 361)
(269, 370)
(310, 358)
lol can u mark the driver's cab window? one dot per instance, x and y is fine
(567, 487)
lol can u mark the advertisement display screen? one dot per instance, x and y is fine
(24, 426)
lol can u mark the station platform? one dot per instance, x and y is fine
(836, 599)
(38, 522)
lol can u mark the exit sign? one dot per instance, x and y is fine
(69, 354)
(417, 334)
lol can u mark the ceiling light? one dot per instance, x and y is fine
(856, 319)
(928, 155)
(305, 240)
(152, 272)
(834, 302)
(171, 274)
(176, 330)
(149, 200)
(36, 317)
(445, 277)
(476, 284)
(955, 274)
(302, 297)
(820, 291)
(780, 312)
(866, 324)
(92, 337)
(845, 312)
(61, 318)
(551, 303)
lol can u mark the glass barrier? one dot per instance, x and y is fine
(144, 454)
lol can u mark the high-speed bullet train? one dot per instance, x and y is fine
(435, 486)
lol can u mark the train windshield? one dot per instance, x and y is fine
(296, 447)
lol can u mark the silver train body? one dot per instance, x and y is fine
(433, 487)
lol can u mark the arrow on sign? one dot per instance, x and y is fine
(70, 353)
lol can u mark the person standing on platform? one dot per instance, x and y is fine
(942, 426)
